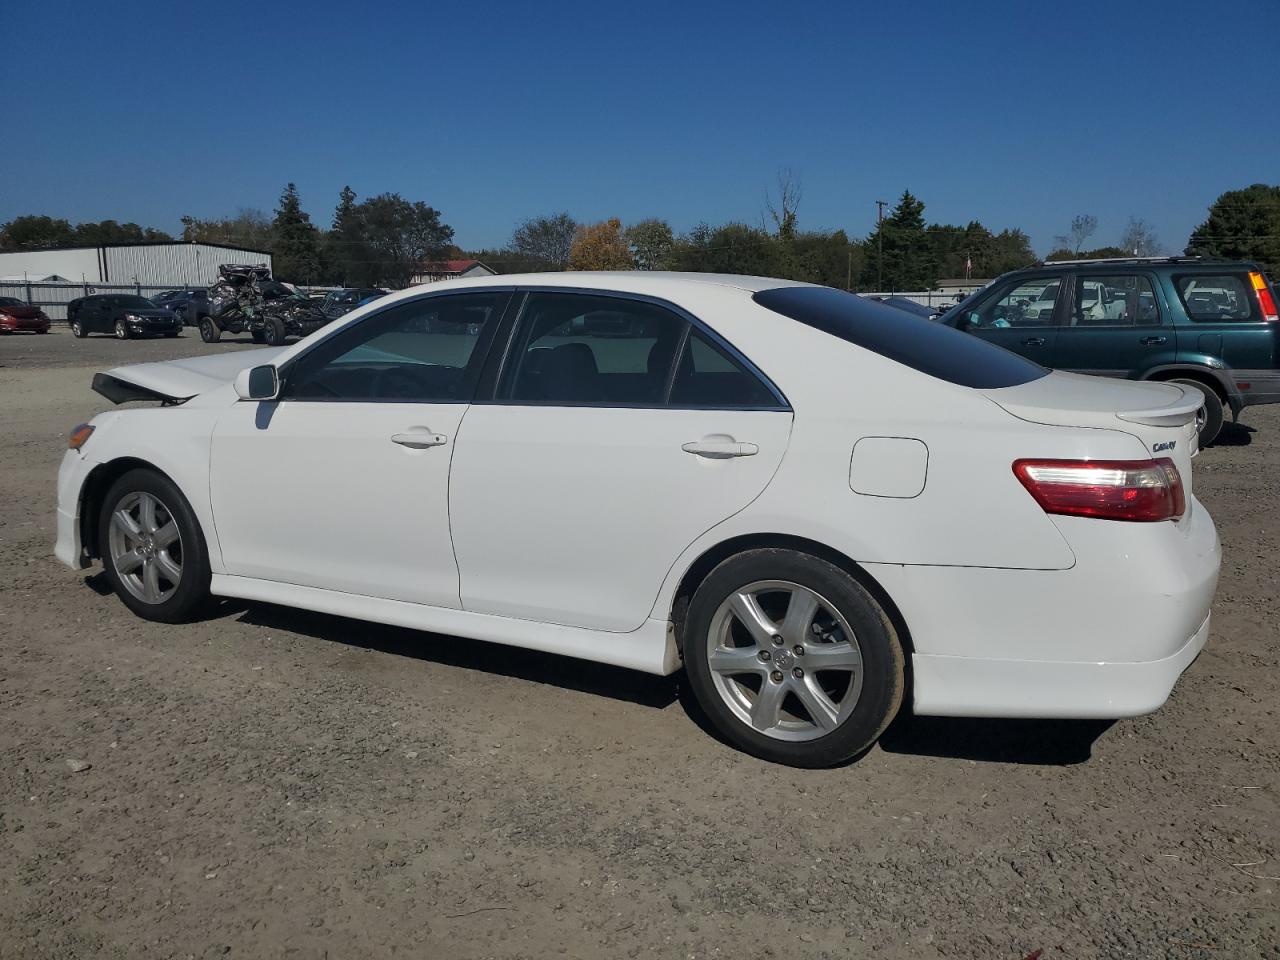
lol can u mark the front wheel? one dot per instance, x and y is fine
(792, 659)
(209, 331)
(153, 552)
(122, 332)
(273, 331)
(78, 330)
(1213, 411)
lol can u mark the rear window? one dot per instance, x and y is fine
(1215, 298)
(932, 348)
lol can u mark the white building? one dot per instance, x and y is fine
(432, 272)
(168, 263)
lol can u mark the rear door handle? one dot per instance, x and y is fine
(1152, 341)
(720, 449)
(419, 439)
(1034, 342)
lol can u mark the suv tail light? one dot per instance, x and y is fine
(1265, 300)
(1137, 490)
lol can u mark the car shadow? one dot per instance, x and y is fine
(1234, 435)
(1035, 742)
(583, 676)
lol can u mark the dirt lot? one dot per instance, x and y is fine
(273, 783)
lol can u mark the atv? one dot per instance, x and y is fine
(245, 298)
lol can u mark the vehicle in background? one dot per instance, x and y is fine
(1210, 325)
(339, 302)
(191, 306)
(17, 316)
(910, 306)
(247, 299)
(822, 507)
(125, 315)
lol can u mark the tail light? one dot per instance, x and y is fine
(1265, 300)
(1136, 490)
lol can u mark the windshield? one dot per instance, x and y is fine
(931, 348)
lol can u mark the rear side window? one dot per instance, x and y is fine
(709, 377)
(932, 348)
(1119, 301)
(1216, 298)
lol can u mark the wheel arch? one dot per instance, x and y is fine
(713, 556)
(1213, 378)
(94, 491)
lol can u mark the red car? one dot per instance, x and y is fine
(16, 315)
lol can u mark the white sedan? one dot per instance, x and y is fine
(817, 505)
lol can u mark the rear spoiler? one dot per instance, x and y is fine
(122, 391)
(1174, 415)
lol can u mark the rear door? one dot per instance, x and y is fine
(1227, 323)
(1114, 326)
(93, 314)
(618, 432)
(1020, 315)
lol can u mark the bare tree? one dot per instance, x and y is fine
(783, 213)
(546, 238)
(1083, 226)
(1139, 238)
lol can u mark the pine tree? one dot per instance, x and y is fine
(296, 243)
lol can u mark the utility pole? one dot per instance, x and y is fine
(880, 205)
(848, 277)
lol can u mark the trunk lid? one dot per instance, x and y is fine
(174, 381)
(1164, 416)
(22, 313)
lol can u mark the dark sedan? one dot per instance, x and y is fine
(191, 306)
(123, 314)
(16, 315)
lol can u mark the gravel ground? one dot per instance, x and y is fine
(274, 783)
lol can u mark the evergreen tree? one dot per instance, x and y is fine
(1242, 225)
(296, 243)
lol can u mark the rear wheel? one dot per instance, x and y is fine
(1213, 411)
(122, 332)
(792, 659)
(78, 330)
(273, 331)
(153, 552)
(209, 331)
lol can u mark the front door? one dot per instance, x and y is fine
(343, 482)
(1020, 316)
(619, 434)
(1113, 327)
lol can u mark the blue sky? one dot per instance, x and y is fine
(1014, 114)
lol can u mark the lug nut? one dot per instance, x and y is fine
(798, 673)
(799, 650)
(777, 640)
(816, 629)
(764, 656)
(776, 676)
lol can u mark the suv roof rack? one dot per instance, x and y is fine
(1062, 263)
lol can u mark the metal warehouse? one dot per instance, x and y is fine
(163, 264)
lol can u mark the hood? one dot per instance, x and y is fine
(22, 313)
(174, 381)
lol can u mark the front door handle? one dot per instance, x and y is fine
(1034, 342)
(720, 449)
(1153, 341)
(419, 439)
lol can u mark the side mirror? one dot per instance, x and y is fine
(258, 383)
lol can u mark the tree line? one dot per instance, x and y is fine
(384, 240)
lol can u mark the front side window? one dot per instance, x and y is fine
(1029, 303)
(575, 348)
(423, 351)
(1216, 298)
(1118, 301)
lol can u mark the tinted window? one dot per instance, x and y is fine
(932, 348)
(1120, 301)
(139, 303)
(576, 348)
(709, 377)
(1219, 298)
(423, 351)
(1027, 303)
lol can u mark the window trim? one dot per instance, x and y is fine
(495, 370)
(485, 342)
(1080, 275)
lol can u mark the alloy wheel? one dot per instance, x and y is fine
(784, 660)
(121, 332)
(146, 547)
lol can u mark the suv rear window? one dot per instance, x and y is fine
(1215, 298)
(924, 345)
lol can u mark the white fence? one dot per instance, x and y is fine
(930, 298)
(53, 298)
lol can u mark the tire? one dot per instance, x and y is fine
(858, 695)
(132, 558)
(258, 336)
(1213, 411)
(122, 332)
(78, 330)
(210, 332)
(273, 331)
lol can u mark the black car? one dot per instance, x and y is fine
(910, 306)
(191, 306)
(124, 314)
(339, 302)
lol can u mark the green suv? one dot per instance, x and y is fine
(1207, 324)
